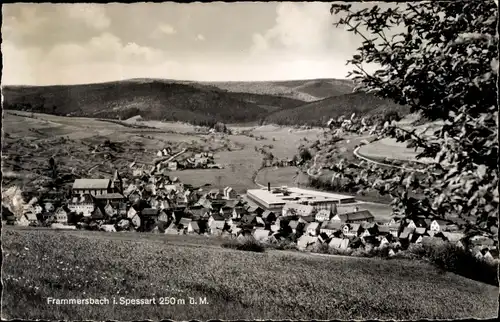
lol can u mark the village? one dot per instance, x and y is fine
(151, 201)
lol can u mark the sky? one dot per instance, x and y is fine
(47, 44)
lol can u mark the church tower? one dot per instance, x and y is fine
(117, 182)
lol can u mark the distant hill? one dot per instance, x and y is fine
(200, 103)
(319, 112)
(152, 99)
(304, 90)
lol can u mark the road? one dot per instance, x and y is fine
(169, 158)
(356, 153)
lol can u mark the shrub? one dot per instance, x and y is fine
(460, 261)
(249, 244)
(282, 245)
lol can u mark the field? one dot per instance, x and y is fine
(33, 138)
(237, 285)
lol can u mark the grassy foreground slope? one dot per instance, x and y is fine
(273, 285)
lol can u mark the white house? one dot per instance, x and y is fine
(292, 209)
(323, 215)
(82, 205)
(438, 225)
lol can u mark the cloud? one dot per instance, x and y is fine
(200, 37)
(91, 14)
(162, 30)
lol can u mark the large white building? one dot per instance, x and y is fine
(276, 198)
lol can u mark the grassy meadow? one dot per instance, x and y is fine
(237, 285)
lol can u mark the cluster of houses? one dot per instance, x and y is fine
(157, 203)
(203, 160)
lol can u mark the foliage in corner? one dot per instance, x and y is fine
(444, 66)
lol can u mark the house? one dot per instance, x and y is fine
(312, 229)
(254, 210)
(184, 223)
(49, 207)
(306, 219)
(226, 211)
(248, 220)
(193, 227)
(306, 241)
(149, 213)
(216, 217)
(97, 214)
(172, 165)
(261, 234)
(109, 210)
(122, 209)
(323, 215)
(114, 198)
(339, 243)
(238, 212)
(215, 194)
(394, 221)
(394, 229)
(132, 212)
(61, 215)
(164, 216)
(31, 217)
(216, 227)
(269, 216)
(354, 217)
(93, 187)
(438, 225)
(407, 231)
(136, 221)
(351, 229)
(83, 204)
(293, 224)
(330, 227)
(295, 209)
(37, 209)
(229, 193)
(383, 230)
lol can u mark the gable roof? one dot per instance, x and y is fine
(331, 225)
(358, 215)
(31, 216)
(149, 212)
(194, 225)
(248, 218)
(218, 217)
(313, 225)
(91, 184)
(293, 224)
(353, 227)
(113, 195)
(267, 213)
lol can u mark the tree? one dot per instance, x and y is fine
(443, 66)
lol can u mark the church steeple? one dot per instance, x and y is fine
(117, 182)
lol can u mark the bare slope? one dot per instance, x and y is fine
(319, 112)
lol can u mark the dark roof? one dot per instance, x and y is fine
(358, 215)
(108, 196)
(149, 212)
(218, 217)
(267, 213)
(331, 225)
(247, 219)
(98, 213)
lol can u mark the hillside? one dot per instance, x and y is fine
(154, 99)
(305, 90)
(319, 112)
(235, 284)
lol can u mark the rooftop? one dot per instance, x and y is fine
(91, 184)
(295, 195)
